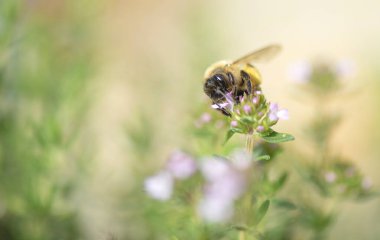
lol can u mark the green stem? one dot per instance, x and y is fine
(250, 143)
(241, 235)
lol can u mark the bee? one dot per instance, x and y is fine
(230, 80)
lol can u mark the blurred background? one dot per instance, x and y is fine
(90, 89)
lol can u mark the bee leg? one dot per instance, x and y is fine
(249, 87)
(222, 110)
(231, 78)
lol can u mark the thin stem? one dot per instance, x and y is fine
(250, 143)
(241, 235)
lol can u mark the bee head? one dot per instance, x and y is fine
(216, 87)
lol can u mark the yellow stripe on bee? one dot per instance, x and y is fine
(253, 73)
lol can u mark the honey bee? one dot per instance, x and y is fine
(226, 80)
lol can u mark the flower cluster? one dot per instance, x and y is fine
(223, 182)
(341, 178)
(322, 75)
(179, 166)
(253, 115)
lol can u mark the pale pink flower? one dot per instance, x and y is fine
(366, 183)
(255, 100)
(260, 128)
(215, 210)
(234, 123)
(300, 72)
(241, 159)
(275, 113)
(228, 187)
(213, 168)
(330, 177)
(247, 109)
(159, 186)
(205, 118)
(181, 165)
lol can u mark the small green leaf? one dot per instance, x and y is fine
(229, 134)
(237, 130)
(262, 211)
(280, 182)
(240, 227)
(284, 203)
(262, 158)
(275, 137)
(246, 120)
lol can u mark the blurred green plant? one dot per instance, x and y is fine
(44, 68)
(216, 190)
(326, 179)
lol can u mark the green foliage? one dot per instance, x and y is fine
(275, 137)
(275, 204)
(42, 95)
(262, 211)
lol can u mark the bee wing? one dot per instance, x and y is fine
(260, 55)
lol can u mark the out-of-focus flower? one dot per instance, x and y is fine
(346, 68)
(275, 113)
(247, 109)
(260, 128)
(255, 100)
(366, 183)
(234, 123)
(224, 184)
(203, 119)
(213, 168)
(181, 165)
(215, 210)
(330, 177)
(228, 187)
(241, 159)
(160, 186)
(300, 72)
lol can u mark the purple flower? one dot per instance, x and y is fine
(223, 179)
(247, 109)
(205, 118)
(234, 123)
(181, 165)
(260, 128)
(275, 113)
(159, 186)
(255, 100)
(224, 184)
